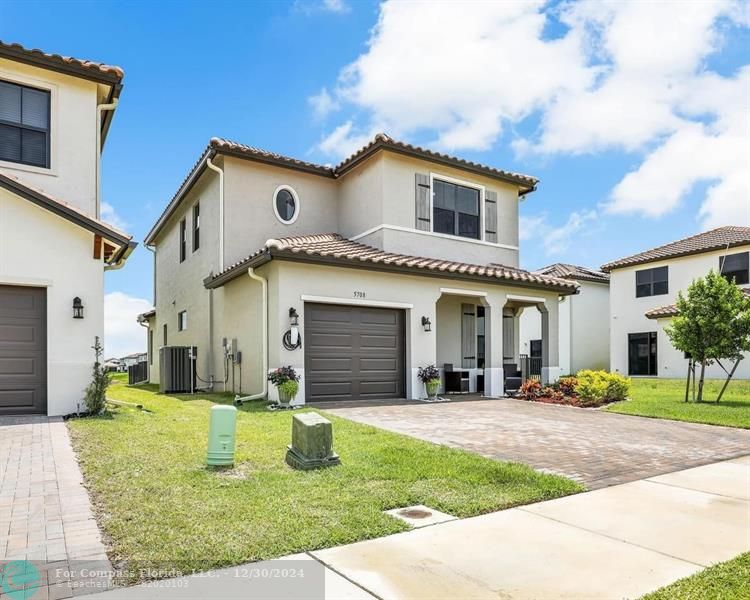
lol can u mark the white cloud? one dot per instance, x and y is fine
(556, 239)
(109, 215)
(122, 333)
(323, 104)
(629, 76)
(344, 140)
(310, 7)
(336, 6)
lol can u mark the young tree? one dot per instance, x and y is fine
(96, 392)
(713, 325)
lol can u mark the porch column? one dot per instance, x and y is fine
(550, 340)
(421, 345)
(493, 339)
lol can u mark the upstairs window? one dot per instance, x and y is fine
(183, 240)
(24, 125)
(286, 204)
(455, 209)
(182, 320)
(652, 282)
(196, 227)
(736, 267)
(164, 334)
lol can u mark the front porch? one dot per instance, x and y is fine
(481, 355)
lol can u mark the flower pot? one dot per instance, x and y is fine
(432, 388)
(285, 398)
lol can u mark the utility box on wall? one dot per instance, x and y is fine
(177, 369)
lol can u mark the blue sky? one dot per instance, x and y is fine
(610, 109)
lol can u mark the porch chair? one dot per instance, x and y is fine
(456, 382)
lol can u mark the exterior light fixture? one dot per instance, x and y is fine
(77, 308)
(426, 324)
(294, 316)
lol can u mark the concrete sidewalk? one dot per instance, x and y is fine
(618, 542)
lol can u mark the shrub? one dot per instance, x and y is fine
(531, 389)
(567, 385)
(619, 387)
(96, 392)
(597, 387)
(555, 395)
(428, 373)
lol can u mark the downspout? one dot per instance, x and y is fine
(210, 355)
(213, 167)
(100, 108)
(264, 292)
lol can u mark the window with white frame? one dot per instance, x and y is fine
(24, 124)
(182, 320)
(455, 209)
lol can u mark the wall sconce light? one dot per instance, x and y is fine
(77, 308)
(292, 339)
(426, 324)
(294, 316)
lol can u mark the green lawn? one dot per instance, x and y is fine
(665, 399)
(724, 581)
(161, 507)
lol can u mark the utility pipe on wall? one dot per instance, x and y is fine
(213, 167)
(264, 318)
(100, 108)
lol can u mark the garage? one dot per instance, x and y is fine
(23, 350)
(353, 353)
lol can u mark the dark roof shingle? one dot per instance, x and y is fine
(328, 247)
(715, 239)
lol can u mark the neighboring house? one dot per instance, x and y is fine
(133, 359)
(584, 320)
(114, 365)
(54, 116)
(397, 258)
(643, 290)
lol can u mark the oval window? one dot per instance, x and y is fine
(286, 204)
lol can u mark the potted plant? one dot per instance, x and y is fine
(430, 376)
(286, 381)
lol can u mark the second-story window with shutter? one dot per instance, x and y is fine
(455, 209)
(24, 125)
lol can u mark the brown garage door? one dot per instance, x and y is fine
(23, 350)
(353, 352)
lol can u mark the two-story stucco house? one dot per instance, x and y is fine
(583, 321)
(55, 112)
(643, 290)
(397, 258)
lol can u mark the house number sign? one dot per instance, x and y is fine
(358, 294)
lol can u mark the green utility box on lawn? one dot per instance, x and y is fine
(221, 436)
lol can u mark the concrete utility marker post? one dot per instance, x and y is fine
(312, 443)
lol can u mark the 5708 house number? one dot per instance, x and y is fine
(358, 294)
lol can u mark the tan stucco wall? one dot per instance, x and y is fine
(249, 216)
(72, 173)
(381, 192)
(40, 249)
(179, 286)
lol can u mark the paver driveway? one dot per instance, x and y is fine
(45, 513)
(594, 447)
